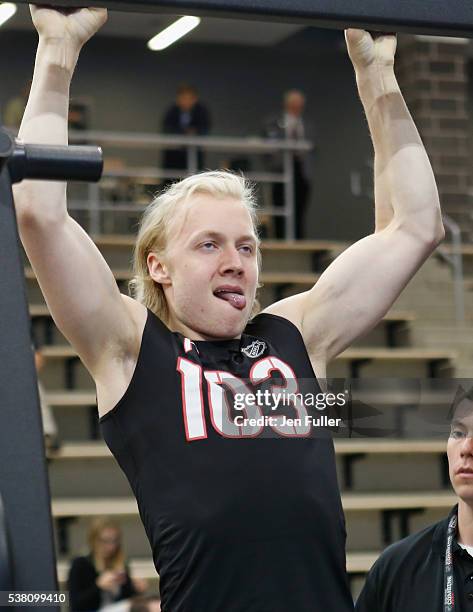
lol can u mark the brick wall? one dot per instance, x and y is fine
(434, 78)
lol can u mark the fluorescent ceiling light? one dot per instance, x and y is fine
(442, 39)
(7, 10)
(174, 32)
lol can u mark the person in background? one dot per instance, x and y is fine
(433, 569)
(186, 117)
(102, 577)
(14, 109)
(145, 603)
(290, 126)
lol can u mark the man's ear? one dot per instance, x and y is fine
(158, 270)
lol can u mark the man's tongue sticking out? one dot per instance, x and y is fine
(235, 299)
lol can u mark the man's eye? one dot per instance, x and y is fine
(246, 248)
(457, 434)
(208, 246)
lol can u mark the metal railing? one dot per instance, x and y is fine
(455, 260)
(94, 202)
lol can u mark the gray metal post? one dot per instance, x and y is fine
(192, 159)
(456, 261)
(23, 475)
(289, 196)
(94, 209)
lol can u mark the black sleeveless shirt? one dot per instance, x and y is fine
(239, 518)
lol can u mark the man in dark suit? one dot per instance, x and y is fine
(186, 117)
(290, 126)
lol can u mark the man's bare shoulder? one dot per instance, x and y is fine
(290, 308)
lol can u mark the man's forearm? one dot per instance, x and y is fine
(46, 122)
(404, 182)
(45, 118)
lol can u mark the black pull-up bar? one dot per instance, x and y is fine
(443, 17)
(49, 162)
(55, 163)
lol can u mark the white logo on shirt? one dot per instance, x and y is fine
(255, 349)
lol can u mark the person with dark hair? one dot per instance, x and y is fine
(186, 117)
(432, 570)
(102, 577)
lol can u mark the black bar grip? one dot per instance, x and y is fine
(55, 163)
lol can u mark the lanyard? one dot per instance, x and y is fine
(448, 592)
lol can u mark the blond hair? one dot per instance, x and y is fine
(117, 561)
(157, 222)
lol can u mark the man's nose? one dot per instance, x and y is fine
(231, 261)
(467, 446)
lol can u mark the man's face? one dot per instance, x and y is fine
(209, 273)
(186, 100)
(295, 104)
(460, 451)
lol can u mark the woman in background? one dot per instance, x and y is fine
(102, 577)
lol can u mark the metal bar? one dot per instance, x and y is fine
(116, 206)
(144, 172)
(124, 206)
(55, 163)
(348, 461)
(386, 526)
(404, 516)
(94, 431)
(456, 262)
(22, 459)
(289, 196)
(454, 17)
(94, 208)
(218, 143)
(192, 159)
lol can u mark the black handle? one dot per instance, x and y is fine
(55, 163)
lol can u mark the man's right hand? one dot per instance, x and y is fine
(72, 26)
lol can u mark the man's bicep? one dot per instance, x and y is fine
(79, 288)
(358, 288)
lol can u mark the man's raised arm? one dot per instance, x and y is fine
(78, 285)
(358, 288)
